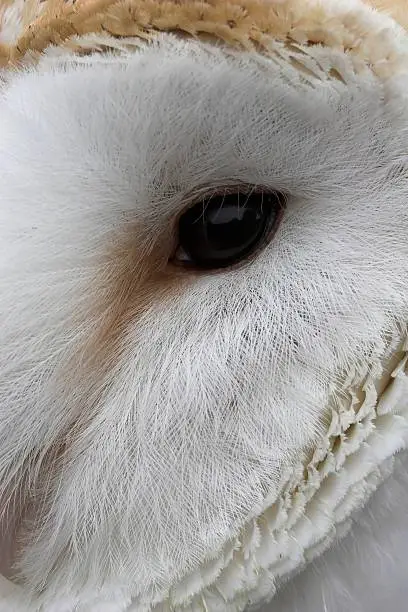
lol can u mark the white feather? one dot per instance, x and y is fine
(220, 386)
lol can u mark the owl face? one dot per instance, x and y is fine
(197, 246)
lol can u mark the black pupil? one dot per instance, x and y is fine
(226, 228)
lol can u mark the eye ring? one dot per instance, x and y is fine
(227, 227)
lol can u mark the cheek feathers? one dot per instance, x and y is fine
(134, 277)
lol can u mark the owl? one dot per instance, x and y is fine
(203, 305)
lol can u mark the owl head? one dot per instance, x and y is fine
(203, 293)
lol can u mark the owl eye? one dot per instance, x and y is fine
(226, 228)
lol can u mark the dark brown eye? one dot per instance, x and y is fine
(224, 229)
